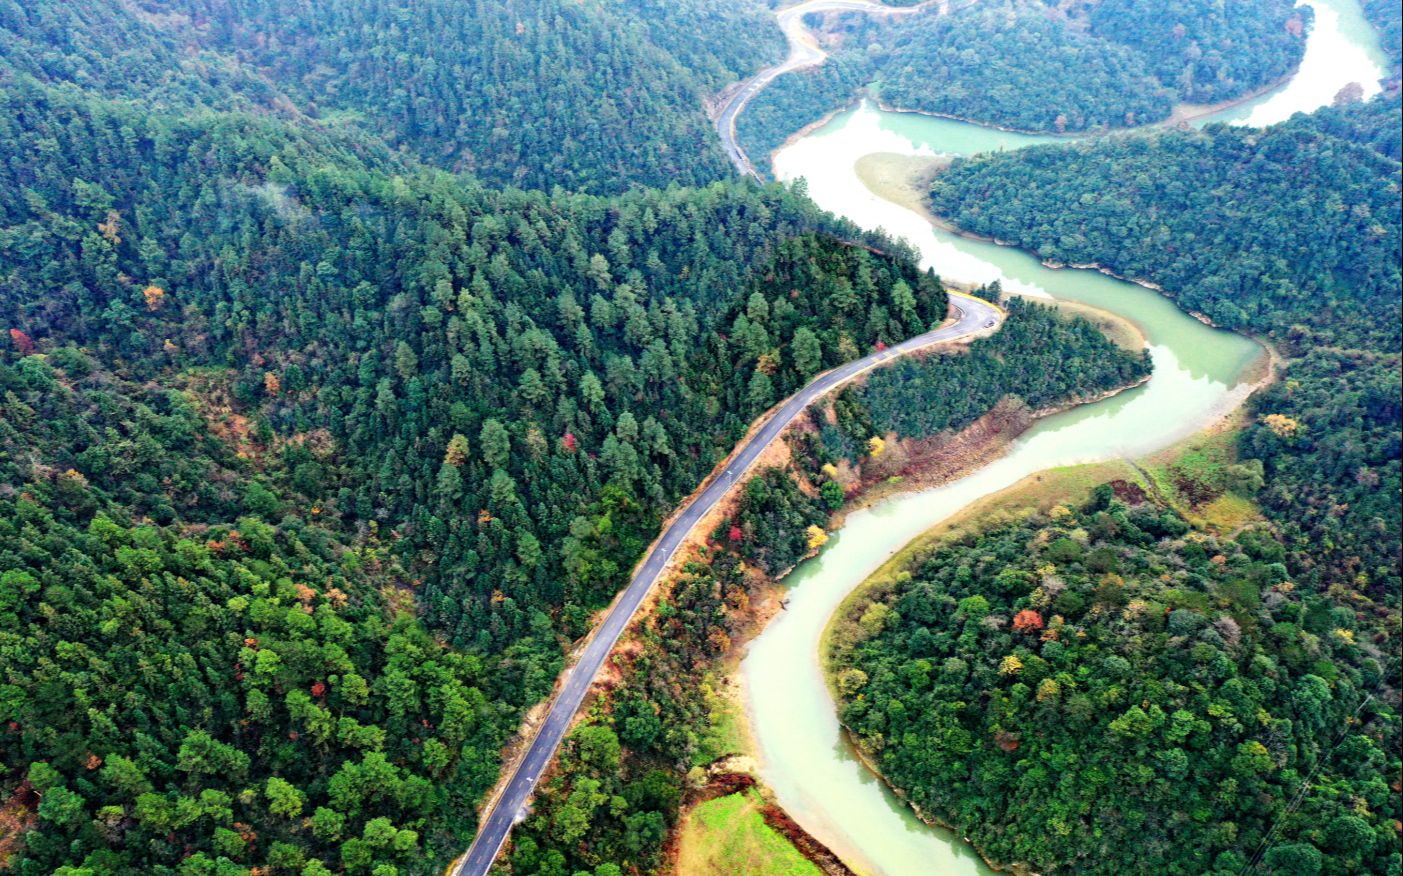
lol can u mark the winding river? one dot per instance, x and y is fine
(1199, 375)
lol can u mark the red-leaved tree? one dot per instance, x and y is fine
(1027, 621)
(23, 342)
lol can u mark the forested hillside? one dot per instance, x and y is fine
(1036, 66)
(1016, 65)
(1104, 689)
(273, 391)
(1293, 232)
(1039, 359)
(616, 793)
(108, 49)
(1133, 55)
(1253, 652)
(354, 351)
(280, 399)
(1227, 219)
(480, 348)
(195, 674)
(537, 93)
(534, 94)
(1387, 17)
(1207, 50)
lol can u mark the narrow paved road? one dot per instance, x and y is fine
(803, 52)
(974, 314)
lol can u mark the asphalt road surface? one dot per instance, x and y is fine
(974, 315)
(803, 52)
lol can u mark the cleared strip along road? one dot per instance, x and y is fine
(974, 316)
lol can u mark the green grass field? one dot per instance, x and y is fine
(728, 836)
(725, 734)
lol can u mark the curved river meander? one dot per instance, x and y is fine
(1198, 376)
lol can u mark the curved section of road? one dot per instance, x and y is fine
(974, 316)
(803, 52)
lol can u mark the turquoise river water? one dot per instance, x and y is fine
(1198, 377)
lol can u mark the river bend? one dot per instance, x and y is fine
(1199, 375)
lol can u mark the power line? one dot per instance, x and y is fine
(1305, 786)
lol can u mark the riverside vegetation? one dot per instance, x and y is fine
(1101, 686)
(314, 456)
(1035, 66)
(316, 451)
(622, 775)
(1203, 699)
(1307, 259)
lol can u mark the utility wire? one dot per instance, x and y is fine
(1305, 786)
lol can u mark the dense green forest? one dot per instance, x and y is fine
(275, 388)
(354, 351)
(591, 96)
(1037, 66)
(1293, 232)
(1387, 18)
(993, 674)
(1103, 689)
(232, 688)
(1227, 219)
(1206, 50)
(272, 391)
(314, 456)
(618, 786)
(1017, 66)
(1039, 358)
(1375, 124)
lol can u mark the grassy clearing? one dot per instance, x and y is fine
(1228, 513)
(1203, 479)
(901, 179)
(728, 836)
(725, 733)
(1121, 331)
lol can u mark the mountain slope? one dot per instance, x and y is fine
(591, 96)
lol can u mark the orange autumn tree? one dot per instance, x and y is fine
(155, 297)
(1027, 621)
(23, 342)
